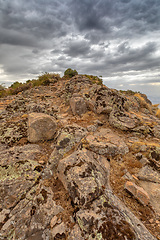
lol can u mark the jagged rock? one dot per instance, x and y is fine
(42, 107)
(45, 208)
(18, 173)
(78, 105)
(155, 158)
(123, 120)
(33, 203)
(12, 131)
(140, 231)
(148, 174)
(30, 217)
(106, 142)
(75, 234)
(59, 231)
(41, 127)
(105, 100)
(153, 191)
(156, 131)
(17, 105)
(84, 175)
(69, 137)
(92, 128)
(53, 221)
(143, 130)
(101, 220)
(137, 192)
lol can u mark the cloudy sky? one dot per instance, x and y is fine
(118, 39)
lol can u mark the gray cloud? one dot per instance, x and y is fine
(115, 39)
(77, 48)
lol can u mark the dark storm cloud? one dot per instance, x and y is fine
(38, 19)
(102, 37)
(126, 54)
(136, 16)
(77, 48)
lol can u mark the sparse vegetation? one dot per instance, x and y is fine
(129, 92)
(158, 113)
(143, 102)
(95, 79)
(44, 79)
(2, 90)
(70, 72)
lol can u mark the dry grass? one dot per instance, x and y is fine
(155, 105)
(143, 103)
(158, 113)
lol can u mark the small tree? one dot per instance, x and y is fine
(70, 72)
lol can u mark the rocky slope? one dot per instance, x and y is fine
(79, 161)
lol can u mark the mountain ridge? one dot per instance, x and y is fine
(102, 162)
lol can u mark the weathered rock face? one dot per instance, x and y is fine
(61, 188)
(41, 127)
(78, 105)
(84, 176)
(68, 139)
(106, 142)
(137, 192)
(18, 173)
(150, 181)
(123, 120)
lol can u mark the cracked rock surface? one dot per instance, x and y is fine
(72, 184)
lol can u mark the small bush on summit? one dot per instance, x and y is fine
(70, 72)
(16, 85)
(47, 78)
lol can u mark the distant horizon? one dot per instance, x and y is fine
(111, 84)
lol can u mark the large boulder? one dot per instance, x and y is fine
(41, 127)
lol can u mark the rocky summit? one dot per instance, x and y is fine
(79, 161)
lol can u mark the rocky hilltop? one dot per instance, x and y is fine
(79, 161)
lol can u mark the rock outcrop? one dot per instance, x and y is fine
(79, 161)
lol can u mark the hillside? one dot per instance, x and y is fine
(79, 161)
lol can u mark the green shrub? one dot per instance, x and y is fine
(2, 90)
(16, 85)
(47, 78)
(70, 72)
